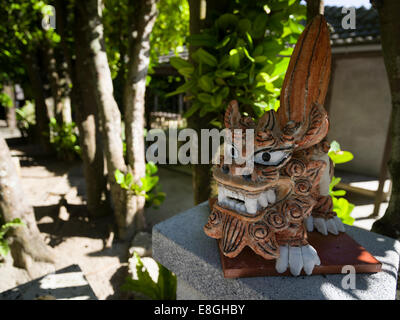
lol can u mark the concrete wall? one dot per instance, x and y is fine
(359, 107)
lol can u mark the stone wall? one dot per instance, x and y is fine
(359, 107)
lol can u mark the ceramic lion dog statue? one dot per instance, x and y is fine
(286, 195)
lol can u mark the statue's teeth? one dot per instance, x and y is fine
(271, 196)
(221, 195)
(251, 205)
(266, 198)
(263, 200)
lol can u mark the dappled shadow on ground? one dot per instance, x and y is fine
(69, 220)
(117, 280)
(56, 191)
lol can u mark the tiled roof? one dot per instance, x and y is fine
(367, 26)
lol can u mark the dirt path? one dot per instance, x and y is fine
(56, 190)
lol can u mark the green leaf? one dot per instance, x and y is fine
(341, 156)
(234, 59)
(179, 63)
(186, 72)
(186, 87)
(202, 40)
(343, 210)
(216, 101)
(128, 179)
(246, 53)
(260, 59)
(338, 193)
(204, 97)
(224, 92)
(206, 83)
(194, 107)
(224, 42)
(244, 25)
(334, 182)
(4, 248)
(143, 283)
(227, 20)
(241, 76)
(119, 176)
(249, 40)
(259, 25)
(206, 57)
(167, 283)
(224, 73)
(295, 27)
(151, 168)
(10, 224)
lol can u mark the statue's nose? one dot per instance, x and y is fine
(247, 177)
(225, 169)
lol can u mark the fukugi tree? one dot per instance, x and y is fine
(389, 18)
(28, 249)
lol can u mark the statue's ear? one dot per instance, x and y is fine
(314, 129)
(232, 115)
(307, 77)
(267, 121)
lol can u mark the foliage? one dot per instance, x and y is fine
(4, 248)
(169, 34)
(26, 118)
(341, 206)
(5, 100)
(337, 155)
(243, 55)
(147, 187)
(64, 139)
(162, 289)
(21, 33)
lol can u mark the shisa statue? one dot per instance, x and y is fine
(286, 195)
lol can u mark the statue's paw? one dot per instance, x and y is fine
(297, 258)
(333, 225)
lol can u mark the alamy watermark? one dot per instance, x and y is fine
(349, 20)
(349, 280)
(49, 19)
(204, 149)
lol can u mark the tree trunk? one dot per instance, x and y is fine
(41, 113)
(87, 119)
(201, 173)
(110, 117)
(389, 11)
(61, 21)
(11, 117)
(27, 247)
(50, 64)
(314, 7)
(134, 103)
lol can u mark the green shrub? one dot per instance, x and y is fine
(242, 56)
(64, 139)
(148, 186)
(4, 248)
(341, 206)
(162, 289)
(26, 119)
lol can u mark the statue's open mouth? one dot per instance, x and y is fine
(242, 202)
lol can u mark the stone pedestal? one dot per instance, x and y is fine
(180, 244)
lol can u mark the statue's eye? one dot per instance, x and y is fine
(270, 158)
(232, 151)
